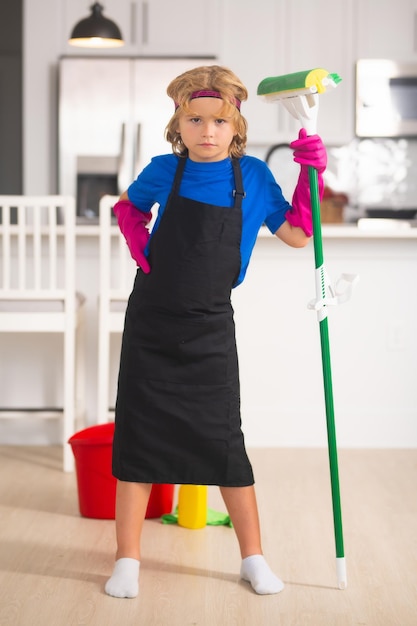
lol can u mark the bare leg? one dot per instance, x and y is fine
(243, 510)
(131, 503)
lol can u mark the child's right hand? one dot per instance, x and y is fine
(132, 223)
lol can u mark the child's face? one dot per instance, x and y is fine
(204, 131)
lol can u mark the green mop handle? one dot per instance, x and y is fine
(327, 379)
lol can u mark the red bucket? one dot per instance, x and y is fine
(92, 449)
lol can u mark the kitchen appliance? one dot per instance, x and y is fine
(386, 98)
(112, 117)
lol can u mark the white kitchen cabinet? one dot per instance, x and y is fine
(286, 37)
(152, 27)
(184, 27)
(318, 34)
(387, 29)
(252, 48)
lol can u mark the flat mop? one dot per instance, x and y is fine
(299, 94)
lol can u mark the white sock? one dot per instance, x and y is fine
(124, 582)
(257, 572)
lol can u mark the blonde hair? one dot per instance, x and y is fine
(208, 78)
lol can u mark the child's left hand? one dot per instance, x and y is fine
(309, 150)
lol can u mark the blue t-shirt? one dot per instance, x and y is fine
(213, 183)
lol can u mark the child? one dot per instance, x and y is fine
(178, 402)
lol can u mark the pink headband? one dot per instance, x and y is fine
(209, 94)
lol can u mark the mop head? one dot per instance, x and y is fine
(299, 93)
(298, 84)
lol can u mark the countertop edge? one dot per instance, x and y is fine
(329, 231)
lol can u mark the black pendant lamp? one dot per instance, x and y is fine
(96, 31)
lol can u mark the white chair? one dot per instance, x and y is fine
(38, 295)
(117, 273)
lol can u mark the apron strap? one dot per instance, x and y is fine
(239, 192)
(178, 175)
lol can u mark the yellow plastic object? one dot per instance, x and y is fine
(192, 506)
(314, 80)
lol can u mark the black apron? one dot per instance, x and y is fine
(178, 402)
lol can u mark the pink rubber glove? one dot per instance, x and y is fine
(308, 150)
(132, 224)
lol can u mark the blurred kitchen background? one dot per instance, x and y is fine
(255, 41)
(372, 172)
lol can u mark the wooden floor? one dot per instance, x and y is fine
(54, 563)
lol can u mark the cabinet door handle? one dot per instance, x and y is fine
(133, 22)
(137, 163)
(415, 32)
(122, 172)
(145, 22)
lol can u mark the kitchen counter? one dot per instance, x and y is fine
(364, 229)
(373, 341)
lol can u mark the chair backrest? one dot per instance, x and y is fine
(33, 263)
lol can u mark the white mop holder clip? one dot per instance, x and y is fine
(327, 295)
(304, 107)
